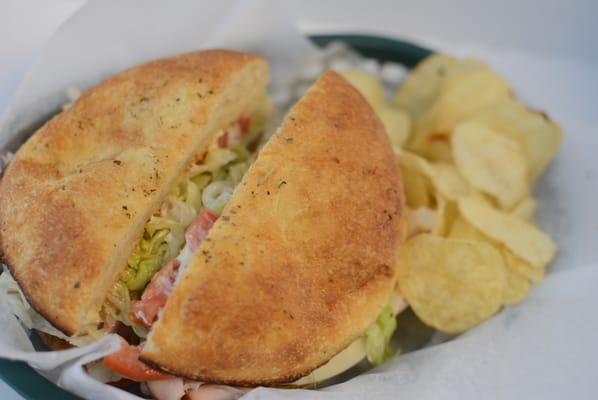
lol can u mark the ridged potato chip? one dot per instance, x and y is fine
(368, 85)
(450, 216)
(517, 284)
(525, 208)
(490, 162)
(518, 235)
(440, 223)
(421, 87)
(463, 95)
(449, 182)
(451, 284)
(534, 274)
(434, 145)
(461, 229)
(418, 192)
(447, 214)
(459, 98)
(435, 220)
(444, 177)
(421, 220)
(536, 133)
(517, 271)
(397, 123)
(419, 90)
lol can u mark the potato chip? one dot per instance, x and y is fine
(460, 97)
(538, 136)
(525, 208)
(473, 192)
(397, 123)
(435, 220)
(518, 235)
(420, 220)
(368, 85)
(490, 162)
(450, 216)
(444, 177)
(451, 284)
(421, 87)
(448, 181)
(440, 222)
(446, 213)
(465, 94)
(461, 229)
(517, 280)
(419, 90)
(434, 144)
(517, 286)
(532, 273)
(417, 188)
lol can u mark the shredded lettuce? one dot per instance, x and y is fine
(164, 236)
(145, 260)
(377, 337)
(118, 306)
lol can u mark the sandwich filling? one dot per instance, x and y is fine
(177, 229)
(182, 222)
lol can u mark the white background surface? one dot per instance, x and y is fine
(561, 33)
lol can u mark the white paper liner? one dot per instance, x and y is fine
(543, 348)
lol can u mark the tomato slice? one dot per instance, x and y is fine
(223, 140)
(145, 311)
(198, 230)
(245, 124)
(126, 362)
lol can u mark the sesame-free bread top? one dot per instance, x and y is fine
(302, 259)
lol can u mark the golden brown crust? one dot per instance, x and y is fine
(301, 261)
(75, 198)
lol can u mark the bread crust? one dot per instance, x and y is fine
(75, 198)
(302, 260)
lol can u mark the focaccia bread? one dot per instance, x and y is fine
(302, 259)
(75, 198)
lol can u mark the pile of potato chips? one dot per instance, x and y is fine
(469, 153)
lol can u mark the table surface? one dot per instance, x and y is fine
(547, 28)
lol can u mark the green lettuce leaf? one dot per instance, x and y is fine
(378, 335)
(145, 260)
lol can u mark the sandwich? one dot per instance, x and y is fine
(156, 207)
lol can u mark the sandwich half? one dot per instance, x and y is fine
(150, 209)
(79, 196)
(302, 259)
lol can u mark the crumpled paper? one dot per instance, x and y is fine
(543, 348)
